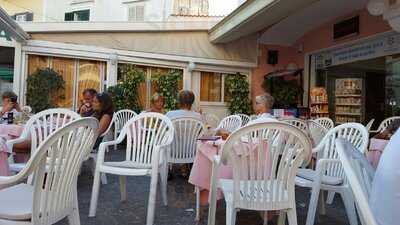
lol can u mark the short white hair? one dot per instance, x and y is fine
(265, 99)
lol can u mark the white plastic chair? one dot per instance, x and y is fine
(55, 164)
(39, 127)
(211, 119)
(329, 175)
(316, 132)
(263, 177)
(120, 118)
(359, 180)
(369, 125)
(148, 136)
(385, 124)
(245, 119)
(299, 123)
(230, 123)
(26, 109)
(325, 122)
(184, 146)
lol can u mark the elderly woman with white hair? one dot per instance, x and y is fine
(263, 109)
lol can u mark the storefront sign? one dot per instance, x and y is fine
(382, 46)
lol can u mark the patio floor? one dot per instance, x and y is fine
(181, 206)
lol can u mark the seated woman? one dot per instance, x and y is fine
(103, 111)
(185, 99)
(157, 104)
(86, 108)
(10, 104)
(263, 109)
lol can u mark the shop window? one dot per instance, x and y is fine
(212, 87)
(23, 17)
(77, 74)
(89, 76)
(80, 15)
(66, 68)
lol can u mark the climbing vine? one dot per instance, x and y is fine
(44, 89)
(237, 89)
(167, 85)
(125, 94)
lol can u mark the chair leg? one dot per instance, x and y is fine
(230, 215)
(282, 217)
(331, 196)
(152, 198)
(321, 202)
(292, 216)
(74, 218)
(115, 138)
(103, 178)
(122, 187)
(265, 217)
(197, 192)
(164, 184)
(348, 201)
(312, 207)
(95, 195)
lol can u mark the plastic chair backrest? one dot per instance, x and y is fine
(385, 123)
(325, 122)
(245, 119)
(184, 145)
(121, 117)
(299, 123)
(267, 162)
(230, 123)
(211, 119)
(55, 166)
(41, 125)
(357, 180)
(355, 133)
(369, 124)
(316, 132)
(143, 134)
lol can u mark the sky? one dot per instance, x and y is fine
(222, 7)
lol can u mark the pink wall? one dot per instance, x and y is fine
(319, 38)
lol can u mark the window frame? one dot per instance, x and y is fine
(135, 6)
(75, 15)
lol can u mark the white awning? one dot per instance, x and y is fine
(255, 16)
(11, 27)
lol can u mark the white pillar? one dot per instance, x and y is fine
(112, 71)
(187, 76)
(18, 71)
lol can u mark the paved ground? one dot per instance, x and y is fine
(180, 210)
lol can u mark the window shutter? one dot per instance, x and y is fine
(140, 13)
(69, 16)
(132, 13)
(29, 17)
(14, 17)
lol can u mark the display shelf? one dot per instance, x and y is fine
(320, 113)
(345, 104)
(319, 103)
(347, 114)
(348, 95)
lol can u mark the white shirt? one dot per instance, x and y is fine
(265, 117)
(385, 192)
(183, 113)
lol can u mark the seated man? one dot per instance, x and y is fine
(185, 100)
(263, 109)
(86, 108)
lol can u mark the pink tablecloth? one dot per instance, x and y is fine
(376, 147)
(200, 174)
(7, 132)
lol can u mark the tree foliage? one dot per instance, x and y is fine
(237, 88)
(125, 94)
(43, 89)
(168, 87)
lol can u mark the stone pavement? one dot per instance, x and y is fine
(180, 210)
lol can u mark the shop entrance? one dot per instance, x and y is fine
(362, 90)
(6, 68)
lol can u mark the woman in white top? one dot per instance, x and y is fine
(186, 100)
(263, 109)
(385, 192)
